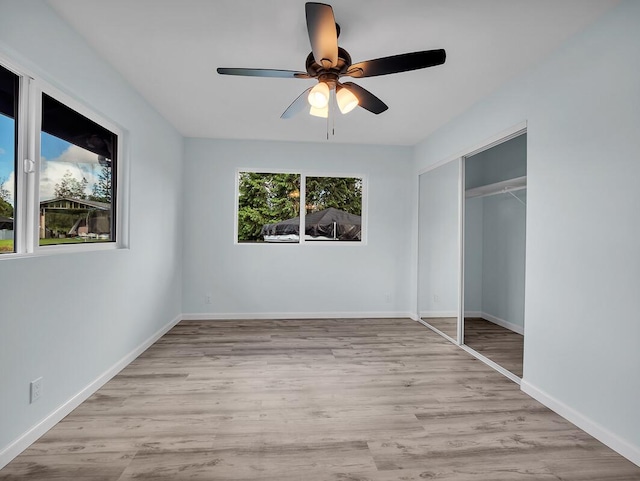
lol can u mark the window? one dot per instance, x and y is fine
(333, 208)
(58, 170)
(269, 208)
(9, 85)
(77, 162)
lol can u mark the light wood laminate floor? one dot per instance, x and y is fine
(313, 400)
(446, 325)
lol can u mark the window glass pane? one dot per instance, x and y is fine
(268, 207)
(8, 142)
(77, 177)
(333, 209)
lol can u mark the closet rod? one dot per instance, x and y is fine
(510, 185)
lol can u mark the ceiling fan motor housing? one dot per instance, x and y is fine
(329, 75)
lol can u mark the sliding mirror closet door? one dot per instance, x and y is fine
(494, 252)
(439, 248)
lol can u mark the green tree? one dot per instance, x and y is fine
(265, 199)
(6, 209)
(344, 193)
(102, 188)
(71, 187)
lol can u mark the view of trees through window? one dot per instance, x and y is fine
(76, 188)
(269, 207)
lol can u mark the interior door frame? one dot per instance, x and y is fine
(504, 136)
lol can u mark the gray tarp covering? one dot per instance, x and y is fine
(320, 224)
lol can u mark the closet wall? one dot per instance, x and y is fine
(495, 237)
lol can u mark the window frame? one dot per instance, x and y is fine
(303, 173)
(28, 163)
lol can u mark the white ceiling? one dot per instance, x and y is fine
(169, 50)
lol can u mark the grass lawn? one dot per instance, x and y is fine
(7, 244)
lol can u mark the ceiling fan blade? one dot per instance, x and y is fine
(297, 106)
(397, 63)
(262, 72)
(366, 99)
(323, 34)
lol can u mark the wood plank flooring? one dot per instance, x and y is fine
(446, 325)
(499, 344)
(313, 400)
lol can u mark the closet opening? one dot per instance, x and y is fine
(494, 252)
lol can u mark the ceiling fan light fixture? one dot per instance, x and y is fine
(346, 100)
(320, 112)
(319, 95)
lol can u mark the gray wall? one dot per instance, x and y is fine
(582, 106)
(71, 317)
(291, 280)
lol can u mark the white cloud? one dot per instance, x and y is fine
(75, 154)
(81, 163)
(53, 171)
(2, 151)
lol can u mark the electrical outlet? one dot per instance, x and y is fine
(387, 298)
(207, 299)
(36, 389)
(436, 298)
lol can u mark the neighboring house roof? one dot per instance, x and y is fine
(64, 203)
(6, 223)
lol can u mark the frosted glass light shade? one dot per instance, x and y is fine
(346, 100)
(319, 95)
(322, 112)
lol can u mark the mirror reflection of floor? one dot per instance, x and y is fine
(502, 346)
(447, 325)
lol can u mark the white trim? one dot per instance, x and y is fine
(439, 314)
(218, 316)
(615, 442)
(507, 134)
(506, 324)
(32, 435)
(461, 248)
(496, 320)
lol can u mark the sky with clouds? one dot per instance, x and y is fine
(57, 157)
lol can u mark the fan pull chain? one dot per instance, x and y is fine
(328, 115)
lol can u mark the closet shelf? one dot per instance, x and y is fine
(510, 185)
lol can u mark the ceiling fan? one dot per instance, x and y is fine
(328, 63)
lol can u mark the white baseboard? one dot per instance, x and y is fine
(621, 446)
(244, 316)
(496, 320)
(23, 442)
(438, 314)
